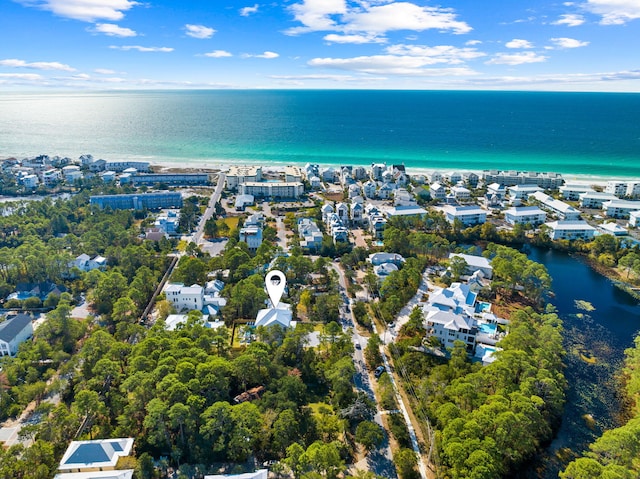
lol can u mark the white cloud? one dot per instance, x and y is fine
(516, 58)
(85, 10)
(358, 39)
(21, 76)
(15, 63)
(471, 43)
(438, 54)
(246, 11)
(614, 12)
(519, 43)
(562, 78)
(218, 54)
(372, 18)
(390, 65)
(570, 20)
(104, 71)
(139, 48)
(568, 43)
(336, 78)
(199, 31)
(267, 55)
(113, 30)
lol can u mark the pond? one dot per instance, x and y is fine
(600, 322)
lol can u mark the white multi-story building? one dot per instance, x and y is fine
(572, 191)
(461, 193)
(119, 166)
(468, 215)
(377, 169)
(310, 234)
(185, 297)
(293, 174)
(594, 199)
(377, 259)
(633, 189)
(51, 177)
(30, 181)
(620, 208)
(271, 189)
(242, 174)
(560, 208)
(634, 219)
(525, 214)
(13, 332)
(522, 192)
(437, 191)
(357, 212)
(570, 230)
(617, 188)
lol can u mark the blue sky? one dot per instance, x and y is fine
(586, 45)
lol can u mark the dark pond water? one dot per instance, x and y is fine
(595, 341)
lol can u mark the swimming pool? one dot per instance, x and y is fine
(489, 329)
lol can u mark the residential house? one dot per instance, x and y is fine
(369, 189)
(85, 263)
(570, 230)
(384, 270)
(525, 215)
(354, 190)
(342, 211)
(453, 177)
(385, 191)
(281, 315)
(461, 193)
(185, 297)
(471, 179)
(357, 212)
(252, 236)
(449, 327)
(39, 290)
(498, 190)
(402, 197)
(30, 181)
(359, 173)
(13, 332)
(168, 222)
(377, 259)
(634, 219)
(377, 169)
(96, 455)
(51, 177)
(475, 263)
(438, 192)
(242, 201)
(310, 235)
(435, 177)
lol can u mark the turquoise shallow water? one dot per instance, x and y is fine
(571, 133)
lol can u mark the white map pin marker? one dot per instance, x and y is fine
(275, 282)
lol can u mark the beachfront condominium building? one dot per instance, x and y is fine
(525, 215)
(634, 219)
(570, 230)
(595, 199)
(151, 201)
(633, 189)
(293, 174)
(120, 166)
(468, 215)
(241, 174)
(620, 208)
(560, 208)
(617, 188)
(551, 181)
(272, 189)
(170, 179)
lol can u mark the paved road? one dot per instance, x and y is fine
(211, 207)
(379, 461)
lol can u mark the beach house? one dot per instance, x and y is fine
(13, 332)
(95, 455)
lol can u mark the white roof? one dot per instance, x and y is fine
(464, 210)
(123, 474)
(449, 320)
(405, 211)
(271, 316)
(385, 269)
(570, 225)
(613, 228)
(173, 320)
(259, 474)
(524, 211)
(100, 453)
(472, 260)
(623, 204)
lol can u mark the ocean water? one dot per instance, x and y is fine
(571, 133)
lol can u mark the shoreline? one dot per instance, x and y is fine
(215, 166)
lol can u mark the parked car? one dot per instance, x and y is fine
(378, 372)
